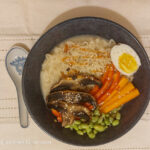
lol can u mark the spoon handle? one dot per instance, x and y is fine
(23, 114)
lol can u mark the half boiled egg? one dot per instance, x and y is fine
(125, 59)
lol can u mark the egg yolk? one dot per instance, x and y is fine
(127, 63)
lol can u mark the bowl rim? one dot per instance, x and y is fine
(62, 24)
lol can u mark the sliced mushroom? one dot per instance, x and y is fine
(73, 97)
(77, 83)
(70, 111)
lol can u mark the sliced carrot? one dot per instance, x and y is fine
(94, 90)
(127, 89)
(107, 83)
(115, 82)
(104, 77)
(123, 81)
(59, 119)
(116, 78)
(88, 105)
(120, 101)
(66, 48)
(55, 112)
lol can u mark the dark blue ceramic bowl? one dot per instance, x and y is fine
(34, 101)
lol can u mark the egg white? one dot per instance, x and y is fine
(117, 51)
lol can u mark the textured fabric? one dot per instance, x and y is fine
(23, 21)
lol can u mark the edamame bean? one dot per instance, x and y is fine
(84, 131)
(77, 122)
(71, 128)
(113, 115)
(118, 116)
(103, 115)
(100, 120)
(111, 119)
(91, 125)
(99, 128)
(83, 120)
(91, 135)
(75, 127)
(88, 130)
(80, 132)
(96, 112)
(115, 122)
(95, 131)
(67, 126)
(118, 108)
(115, 110)
(94, 119)
(83, 126)
(102, 123)
(107, 115)
(107, 122)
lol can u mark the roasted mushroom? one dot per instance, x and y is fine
(76, 82)
(70, 104)
(73, 97)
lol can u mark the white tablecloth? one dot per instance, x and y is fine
(23, 21)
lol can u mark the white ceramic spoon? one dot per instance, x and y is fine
(14, 61)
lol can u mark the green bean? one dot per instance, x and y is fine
(95, 119)
(115, 122)
(96, 112)
(80, 132)
(118, 116)
(91, 135)
(99, 128)
(77, 122)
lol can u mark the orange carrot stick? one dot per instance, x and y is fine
(88, 105)
(55, 112)
(123, 81)
(114, 84)
(118, 102)
(94, 90)
(59, 119)
(127, 89)
(104, 77)
(107, 84)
